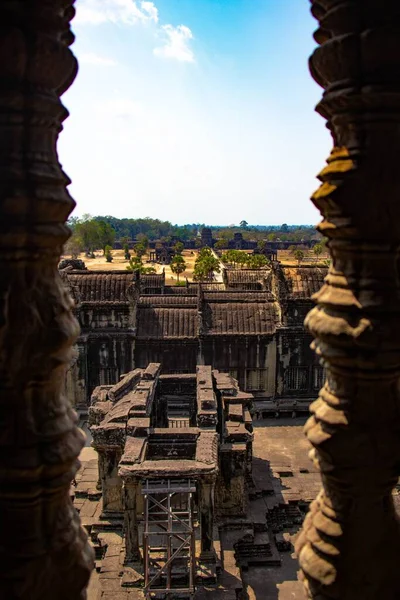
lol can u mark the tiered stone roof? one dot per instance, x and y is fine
(241, 318)
(303, 282)
(245, 276)
(100, 286)
(166, 322)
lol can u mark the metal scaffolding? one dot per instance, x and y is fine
(168, 539)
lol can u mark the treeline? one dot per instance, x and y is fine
(283, 233)
(95, 233)
(153, 229)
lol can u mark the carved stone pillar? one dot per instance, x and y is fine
(206, 511)
(111, 482)
(129, 492)
(350, 544)
(44, 553)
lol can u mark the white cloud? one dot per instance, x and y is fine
(90, 58)
(176, 43)
(151, 10)
(129, 12)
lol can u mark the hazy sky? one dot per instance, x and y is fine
(194, 111)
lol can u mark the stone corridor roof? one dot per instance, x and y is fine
(99, 286)
(303, 282)
(187, 315)
(168, 301)
(247, 275)
(238, 296)
(244, 318)
(166, 323)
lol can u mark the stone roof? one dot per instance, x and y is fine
(238, 296)
(212, 286)
(168, 301)
(240, 318)
(246, 275)
(152, 281)
(164, 323)
(98, 286)
(303, 282)
(187, 290)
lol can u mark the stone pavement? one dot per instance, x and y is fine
(253, 568)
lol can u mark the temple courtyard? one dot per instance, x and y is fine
(249, 550)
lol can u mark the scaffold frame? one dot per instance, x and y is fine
(175, 527)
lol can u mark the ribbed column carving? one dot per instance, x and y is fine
(44, 553)
(350, 544)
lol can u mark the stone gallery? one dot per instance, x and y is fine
(349, 546)
(173, 451)
(251, 328)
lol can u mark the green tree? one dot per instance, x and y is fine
(127, 254)
(242, 257)
(257, 261)
(140, 249)
(179, 247)
(136, 265)
(143, 240)
(206, 251)
(178, 265)
(324, 244)
(299, 255)
(221, 244)
(206, 265)
(107, 253)
(261, 245)
(236, 257)
(231, 257)
(318, 250)
(105, 235)
(87, 231)
(243, 224)
(73, 247)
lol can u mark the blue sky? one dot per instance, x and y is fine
(194, 111)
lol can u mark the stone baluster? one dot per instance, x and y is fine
(350, 543)
(44, 553)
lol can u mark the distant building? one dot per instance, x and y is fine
(206, 237)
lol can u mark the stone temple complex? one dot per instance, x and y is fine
(250, 326)
(175, 451)
(180, 503)
(68, 541)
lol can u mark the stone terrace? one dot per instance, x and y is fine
(255, 551)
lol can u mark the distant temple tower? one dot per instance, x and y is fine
(206, 237)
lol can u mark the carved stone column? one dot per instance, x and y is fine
(44, 554)
(111, 482)
(206, 511)
(350, 544)
(129, 493)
